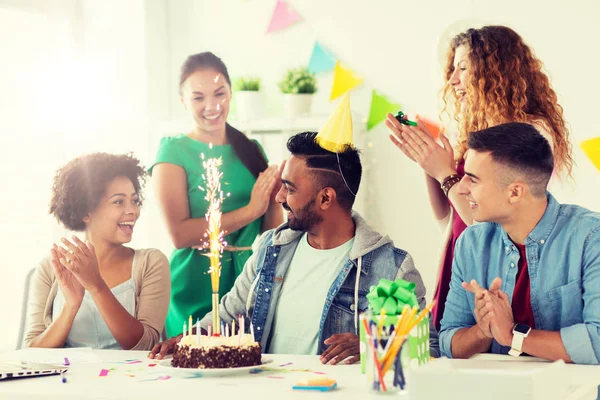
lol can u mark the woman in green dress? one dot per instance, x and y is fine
(250, 208)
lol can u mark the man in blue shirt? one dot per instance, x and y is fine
(527, 278)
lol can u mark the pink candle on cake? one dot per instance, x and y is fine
(209, 330)
(252, 331)
(184, 329)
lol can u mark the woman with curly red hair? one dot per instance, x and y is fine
(98, 293)
(492, 77)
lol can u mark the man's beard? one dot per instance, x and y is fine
(304, 219)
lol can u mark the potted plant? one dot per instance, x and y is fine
(298, 86)
(248, 100)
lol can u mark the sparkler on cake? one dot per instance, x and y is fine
(222, 347)
(214, 234)
(215, 243)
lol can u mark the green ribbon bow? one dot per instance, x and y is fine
(392, 296)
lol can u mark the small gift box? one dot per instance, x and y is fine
(392, 297)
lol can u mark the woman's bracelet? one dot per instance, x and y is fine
(448, 182)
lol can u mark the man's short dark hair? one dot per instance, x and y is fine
(521, 148)
(330, 169)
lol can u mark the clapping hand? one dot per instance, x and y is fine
(480, 310)
(493, 311)
(80, 259)
(418, 144)
(260, 198)
(70, 287)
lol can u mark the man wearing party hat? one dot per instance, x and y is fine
(305, 285)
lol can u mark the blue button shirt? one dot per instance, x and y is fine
(563, 257)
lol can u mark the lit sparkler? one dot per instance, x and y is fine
(214, 235)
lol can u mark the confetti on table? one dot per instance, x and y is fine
(67, 362)
(152, 365)
(103, 372)
(194, 375)
(275, 377)
(158, 378)
(133, 361)
(286, 364)
(257, 371)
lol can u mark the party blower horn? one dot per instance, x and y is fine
(432, 127)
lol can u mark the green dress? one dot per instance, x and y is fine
(190, 281)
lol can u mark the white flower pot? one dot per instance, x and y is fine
(296, 105)
(249, 105)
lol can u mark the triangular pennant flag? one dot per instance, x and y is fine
(283, 16)
(344, 79)
(321, 59)
(591, 148)
(433, 127)
(336, 134)
(380, 107)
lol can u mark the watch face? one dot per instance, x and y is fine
(522, 328)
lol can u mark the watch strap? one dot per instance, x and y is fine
(516, 345)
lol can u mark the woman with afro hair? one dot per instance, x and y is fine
(492, 77)
(97, 292)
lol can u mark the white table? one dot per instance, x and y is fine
(140, 381)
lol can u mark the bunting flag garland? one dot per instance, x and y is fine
(283, 16)
(591, 148)
(344, 79)
(380, 107)
(321, 60)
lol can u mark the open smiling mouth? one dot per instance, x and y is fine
(126, 226)
(212, 117)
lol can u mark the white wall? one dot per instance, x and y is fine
(398, 47)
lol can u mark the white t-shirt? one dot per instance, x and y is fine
(302, 298)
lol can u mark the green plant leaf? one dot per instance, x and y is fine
(249, 84)
(298, 81)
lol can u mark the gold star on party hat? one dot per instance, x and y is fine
(336, 134)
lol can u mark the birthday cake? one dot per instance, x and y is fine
(216, 352)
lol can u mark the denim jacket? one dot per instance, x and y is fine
(372, 257)
(563, 260)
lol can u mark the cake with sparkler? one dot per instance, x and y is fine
(219, 348)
